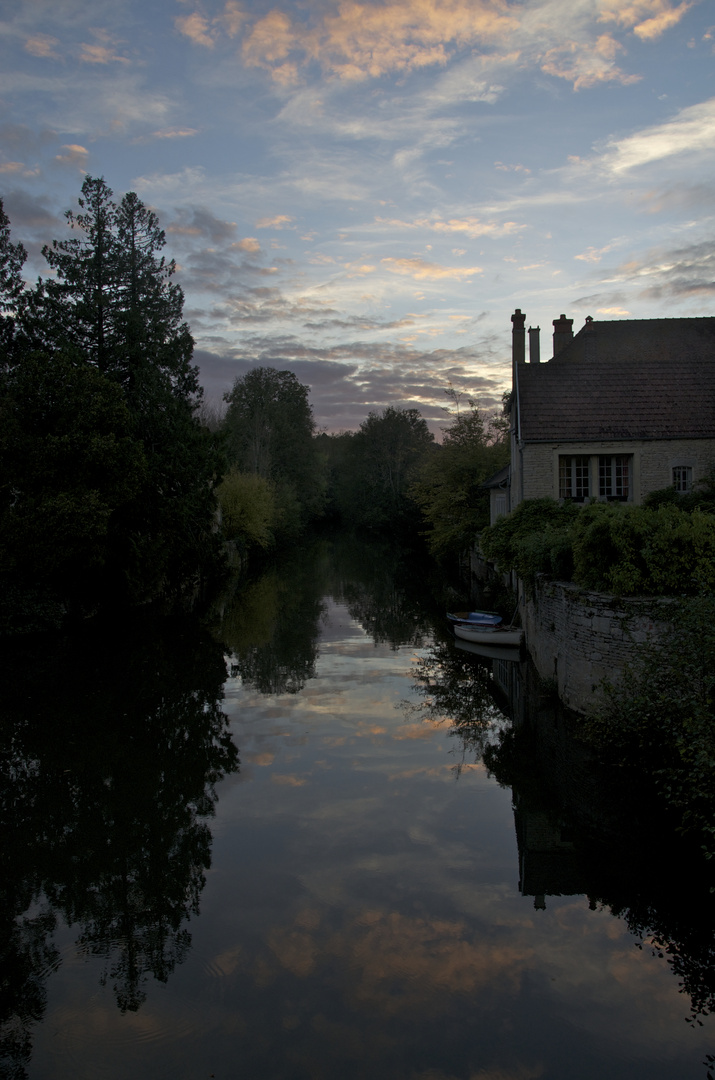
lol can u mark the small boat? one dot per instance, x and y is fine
(488, 635)
(481, 618)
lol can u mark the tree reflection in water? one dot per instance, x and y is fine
(111, 745)
(454, 688)
(384, 592)
(270, 628)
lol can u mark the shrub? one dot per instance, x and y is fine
(636, 551)
(248, 509)
(535, 538)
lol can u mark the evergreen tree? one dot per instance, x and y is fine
(108, 328)
(12, 260)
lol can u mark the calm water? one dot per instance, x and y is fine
(359, 897)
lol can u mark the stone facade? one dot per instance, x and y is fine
(577, 638)
(535, 466)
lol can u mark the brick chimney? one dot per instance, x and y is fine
(534, 345)
(563, 333)
(518, 337)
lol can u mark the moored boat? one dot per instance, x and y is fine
(488, 635)
(479, 618)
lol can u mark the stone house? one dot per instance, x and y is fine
(621, 409)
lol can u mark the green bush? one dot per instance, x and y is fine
(535, 538)
(248, 509)
(626, 550)
(637, 551)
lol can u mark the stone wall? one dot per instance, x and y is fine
(577, 638)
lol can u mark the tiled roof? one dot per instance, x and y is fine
(635, 379)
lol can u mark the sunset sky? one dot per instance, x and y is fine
(362, 192)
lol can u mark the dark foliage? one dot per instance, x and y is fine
(107, 473)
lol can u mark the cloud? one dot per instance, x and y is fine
(359, 41)
(422, 271)
(249, 244)
(691, 131)
(201, 222)
(586, 67)
(469, 226)
(279, 221)
(594, 255)
(647, 18)
(100, 54)
(44, 46)
(175, 133)
(76, 155)
(196, 28)
(686, 271)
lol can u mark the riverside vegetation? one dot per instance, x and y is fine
(117, 486)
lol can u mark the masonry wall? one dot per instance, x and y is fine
(577, 637)
(537, 473)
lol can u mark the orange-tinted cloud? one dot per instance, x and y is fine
(249, 244)
(360, 40)
(587, 64)
(44, 46)
(279, 221)
(420, 270)
(470, 226)
(647, 18)
(196, 28)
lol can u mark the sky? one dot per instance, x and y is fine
(362, 192)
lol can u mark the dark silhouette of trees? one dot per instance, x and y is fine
(108, 474)
(378, 465)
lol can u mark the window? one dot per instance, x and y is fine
(614, 478)
(573, 478)
(683, 478)
(499, 506)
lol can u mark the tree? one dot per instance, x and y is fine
(449, 489)
(69, 464)
(12, 260)
(112, 315)
(269, 430)
(381, 462)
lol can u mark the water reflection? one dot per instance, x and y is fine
(365, 915)
(583, 828)
(271, 625)
(111, 745)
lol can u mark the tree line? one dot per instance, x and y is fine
(114, 489)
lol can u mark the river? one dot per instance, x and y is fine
(318, 841)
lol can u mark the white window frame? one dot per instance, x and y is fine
(573, 470)
(682, 478)
(615, 477)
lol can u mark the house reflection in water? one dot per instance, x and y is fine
(548, 861)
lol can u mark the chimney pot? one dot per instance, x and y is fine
(563, 333)
(518, 337)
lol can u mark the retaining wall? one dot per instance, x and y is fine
(577, 638)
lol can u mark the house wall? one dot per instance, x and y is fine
(536, 474)
(578, 638)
